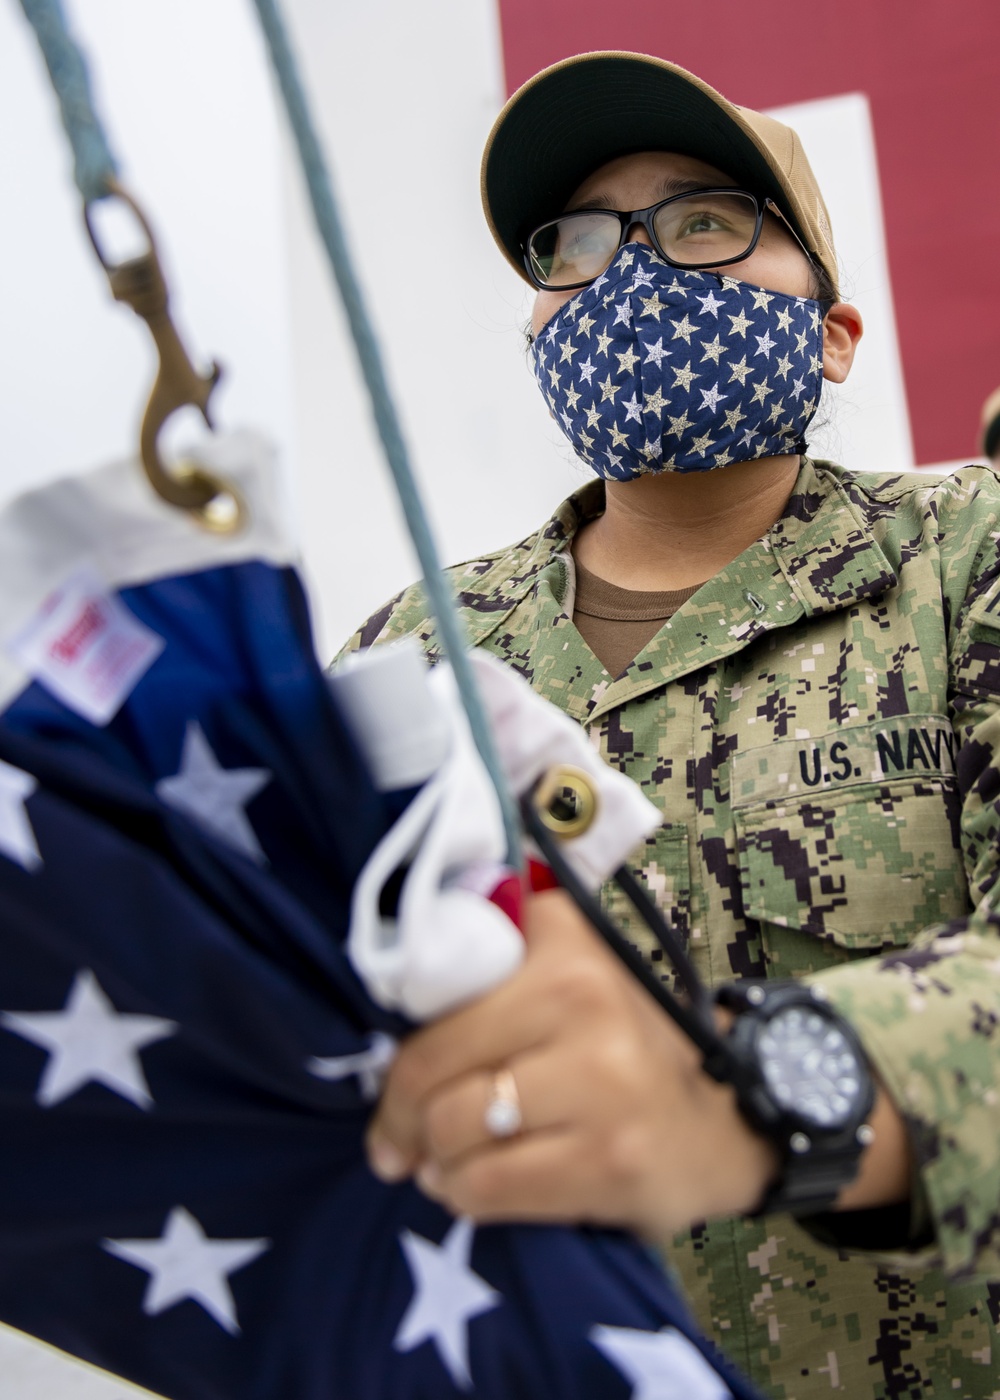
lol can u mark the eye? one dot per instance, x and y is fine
(702, 221)
(706, 226)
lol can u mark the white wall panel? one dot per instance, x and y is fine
(865, 423)
(406, 95)
(185, 94)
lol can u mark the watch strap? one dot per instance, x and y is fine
(810, 1183)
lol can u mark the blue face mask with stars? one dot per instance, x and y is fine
(653, 368)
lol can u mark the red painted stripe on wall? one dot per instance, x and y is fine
(929, 68)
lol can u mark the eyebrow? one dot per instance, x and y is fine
(670, 186)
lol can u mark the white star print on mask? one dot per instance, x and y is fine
(213, 796)
(17, 839)
(89, 1042)
(710, 303)
(661, 1365)
(447, 1295)
(606, 412)
(184, 1263)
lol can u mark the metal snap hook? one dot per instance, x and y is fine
(139, 282)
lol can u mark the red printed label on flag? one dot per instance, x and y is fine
(86, 647)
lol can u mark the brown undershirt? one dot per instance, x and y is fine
(616, 623)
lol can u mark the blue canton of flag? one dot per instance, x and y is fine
(187, 1059)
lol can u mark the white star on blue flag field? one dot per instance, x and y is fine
(89, 1042)
(184, 1263)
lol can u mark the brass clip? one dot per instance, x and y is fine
(566, 800)
(140, 283)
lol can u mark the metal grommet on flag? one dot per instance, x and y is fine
(566, 800)
(503, 1117)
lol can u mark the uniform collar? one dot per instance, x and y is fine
(825, 546)
(821, 556)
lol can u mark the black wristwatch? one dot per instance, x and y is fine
(802, 1080)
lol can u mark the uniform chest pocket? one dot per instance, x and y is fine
(863, 865)
(867, 857)
(866, 868)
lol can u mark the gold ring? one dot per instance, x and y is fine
(503, 1110)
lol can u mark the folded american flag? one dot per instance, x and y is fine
(187, 1058)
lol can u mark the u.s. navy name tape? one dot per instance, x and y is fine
(906, 745)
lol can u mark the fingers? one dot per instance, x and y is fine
(449, 1125)
(472, 1042)
(565, 978)
(542, 1176)
(620, 1124)
(455, 1119)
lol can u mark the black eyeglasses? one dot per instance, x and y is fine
(703, 228)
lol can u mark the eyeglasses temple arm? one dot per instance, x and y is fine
(772, 208)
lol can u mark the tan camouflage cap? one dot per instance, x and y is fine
(571, 118)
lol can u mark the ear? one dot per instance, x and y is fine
(842, 329)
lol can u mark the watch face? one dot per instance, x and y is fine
(810, 1066)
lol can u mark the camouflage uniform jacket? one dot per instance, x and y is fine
(820, 724)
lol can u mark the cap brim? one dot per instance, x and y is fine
(576, 116)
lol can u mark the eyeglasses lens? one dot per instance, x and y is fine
(695, 230)
(702, 229)
(575, 248)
